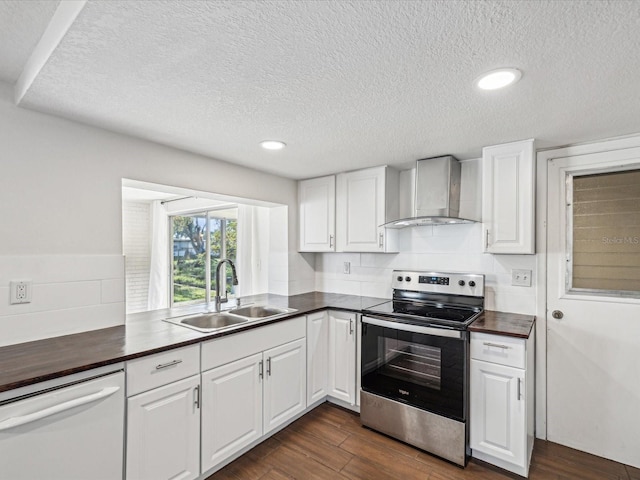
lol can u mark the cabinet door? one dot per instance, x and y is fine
(360, 201)
(163, 432)
(231, 409)
(498, 411)
(508, 204)
(342, 356)
(317, 356)
(285, 387)
(316, 203)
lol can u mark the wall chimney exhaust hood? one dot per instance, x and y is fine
(437, 194)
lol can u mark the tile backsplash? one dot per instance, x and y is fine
(71, 294)
(448, 248)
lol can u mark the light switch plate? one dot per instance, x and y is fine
(346, 268)
(521, 278)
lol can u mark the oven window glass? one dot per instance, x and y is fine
(411, 362)
(425, 371)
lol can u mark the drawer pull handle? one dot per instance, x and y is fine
(168, 364)
(497, 345)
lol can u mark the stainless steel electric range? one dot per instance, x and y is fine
(415, 361)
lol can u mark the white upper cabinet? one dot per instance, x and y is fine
(508, 185)
(317, 208)
(365, 200)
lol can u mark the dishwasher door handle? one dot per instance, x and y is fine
(61, 407)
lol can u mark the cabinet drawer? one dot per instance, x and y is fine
(509, 351)
(242, 344)
(162, 368)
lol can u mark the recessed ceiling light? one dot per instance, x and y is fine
(273, 145)
(496, 79)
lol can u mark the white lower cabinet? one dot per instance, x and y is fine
(163, 415)
(342, 357)
(501, 412)
(252, 383)
(231, 410)
(285, 383)
(317, 356)
(331, 358)
(163, 435)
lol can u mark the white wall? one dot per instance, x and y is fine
(60, 192)
(447, 248)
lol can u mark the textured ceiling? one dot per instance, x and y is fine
(346, 84)
(21, 26)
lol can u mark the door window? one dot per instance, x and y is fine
(604, 234)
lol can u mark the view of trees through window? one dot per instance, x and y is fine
(198, 239)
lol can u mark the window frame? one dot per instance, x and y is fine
(570, 290)
(223, 252)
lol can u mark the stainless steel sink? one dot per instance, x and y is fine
(212, 322)
(260, 311)
(208, 322)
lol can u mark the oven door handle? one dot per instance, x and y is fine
(409, 327)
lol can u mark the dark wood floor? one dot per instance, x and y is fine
(329, 443)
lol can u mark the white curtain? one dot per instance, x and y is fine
(248, 255)
(159, 271)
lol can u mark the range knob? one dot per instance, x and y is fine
(399, 278)
(408, 279)
(461, 283)
(472, 283)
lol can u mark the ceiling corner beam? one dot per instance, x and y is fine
(62, 19)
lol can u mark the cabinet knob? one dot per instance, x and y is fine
(557, 314)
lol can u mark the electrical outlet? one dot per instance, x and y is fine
(346, 268)
(20, 291)
(521, 278)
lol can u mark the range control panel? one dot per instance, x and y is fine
(433, 280)
(471, 284)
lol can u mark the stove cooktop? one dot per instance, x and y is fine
(451, 300)
(426, 313)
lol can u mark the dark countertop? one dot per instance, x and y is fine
(502, 323)
(144, 333)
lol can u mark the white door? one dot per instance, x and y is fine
(593, 350)
(231, 409)
(342, 356)
(285, 387)
(317, 356)
(498, 411)
(163, 432)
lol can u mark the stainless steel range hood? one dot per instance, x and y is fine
(437, 194)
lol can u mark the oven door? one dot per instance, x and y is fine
(422, 366)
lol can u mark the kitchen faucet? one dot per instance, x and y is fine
(234, 280)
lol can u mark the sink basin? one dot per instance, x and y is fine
(260, 311)
(208, 322)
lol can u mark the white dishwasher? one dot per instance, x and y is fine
(69, 429)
